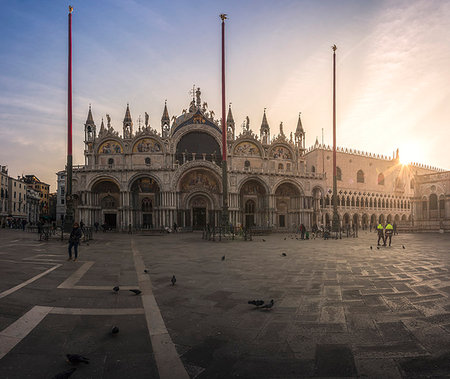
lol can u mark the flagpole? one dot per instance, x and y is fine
(335, 211)
(69, 204)
(225, 217)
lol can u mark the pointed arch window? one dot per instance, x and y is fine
(313, 169)
(250, 206)
(360, 176)
(380, 179)
(338, 173)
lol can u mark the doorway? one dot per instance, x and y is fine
(111, 220)
(147, 220)
(199, 218)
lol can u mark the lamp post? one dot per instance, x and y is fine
(335, 223)
(225, 219)
(68, 220)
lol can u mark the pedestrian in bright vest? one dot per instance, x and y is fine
(380, 234)
(388, 233)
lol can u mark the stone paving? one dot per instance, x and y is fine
(341, 308)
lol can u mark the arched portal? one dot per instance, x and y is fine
(106, 203)
(145, 200)
(253, 200)
(198, 146)
(200, 198)
(287, 205)
(365, 221)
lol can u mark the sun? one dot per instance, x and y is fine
(410, 153)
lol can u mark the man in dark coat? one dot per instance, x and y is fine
(74, 241)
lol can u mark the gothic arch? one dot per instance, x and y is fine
(101, 177)
(280, 145)
(141, 175)
(295, 184)
(255, 178)
(249, 140)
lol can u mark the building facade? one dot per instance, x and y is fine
(4, 195)
(371, 188)
(60, 197)
(17, 199)
(44, 190)
(431, 202)
(149, 179)
(33, 205)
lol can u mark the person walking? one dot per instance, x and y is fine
(388, 233)
(380, 234)
(74, 241)
(302, 231)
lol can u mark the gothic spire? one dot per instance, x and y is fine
(165, 117)
(264, 131)
(299, 125)
(90, 119)
(127, 118)
(230, 115)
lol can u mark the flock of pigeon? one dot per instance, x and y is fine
(76, 359)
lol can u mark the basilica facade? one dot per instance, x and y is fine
(146, 178)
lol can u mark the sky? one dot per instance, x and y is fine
(392, 62)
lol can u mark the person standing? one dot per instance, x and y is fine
(74, 241)
(380, 234)
(388, 233)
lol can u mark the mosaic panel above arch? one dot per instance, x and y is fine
(246, 148)
(147, 145)
(281, 152)
(110, 147)
(199, 180)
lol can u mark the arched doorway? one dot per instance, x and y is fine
(365, 221)
(201, 212)
(381, 219)
(106, 200)
(253, 200)
(145, 200)
(200, 195)
(373, 221)
(288, 204)
(356, 220)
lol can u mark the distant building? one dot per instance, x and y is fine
(150, 179)
(44, 190)
(17, 199)
(33, 205)
(4, 197)
(431, 202)
(60, 197)
(52, 206)
(371, 188)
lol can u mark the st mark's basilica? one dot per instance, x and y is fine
(152, 179)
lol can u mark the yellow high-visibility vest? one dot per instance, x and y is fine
(380, 226)
(389, 226)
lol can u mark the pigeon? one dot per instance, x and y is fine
(257, 303)
(75, 359)
(65, 374)
(268, 305)
(136, 292)
(146, 271)
(173, 280)
(284, 254)
(378, 247)
(285, 238)
(264, 240)
(114, 330)
(116, 289)
(223, 258)
(371, 247)
(404, 246)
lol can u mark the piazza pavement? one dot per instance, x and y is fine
(341, 309)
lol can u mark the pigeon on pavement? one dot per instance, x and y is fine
(284, 254)
(173, 280)
(75, 359)
(114, 330)
(146, 271)
(269, 305)
(116, 289)
(378, 247)
(136, 292)
(65, 374)
(257, 303)
(371, 247)
(223, 258)
(264, 240)
(404, 246)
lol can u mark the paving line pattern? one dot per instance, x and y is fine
(166, 356)
(21, 285)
